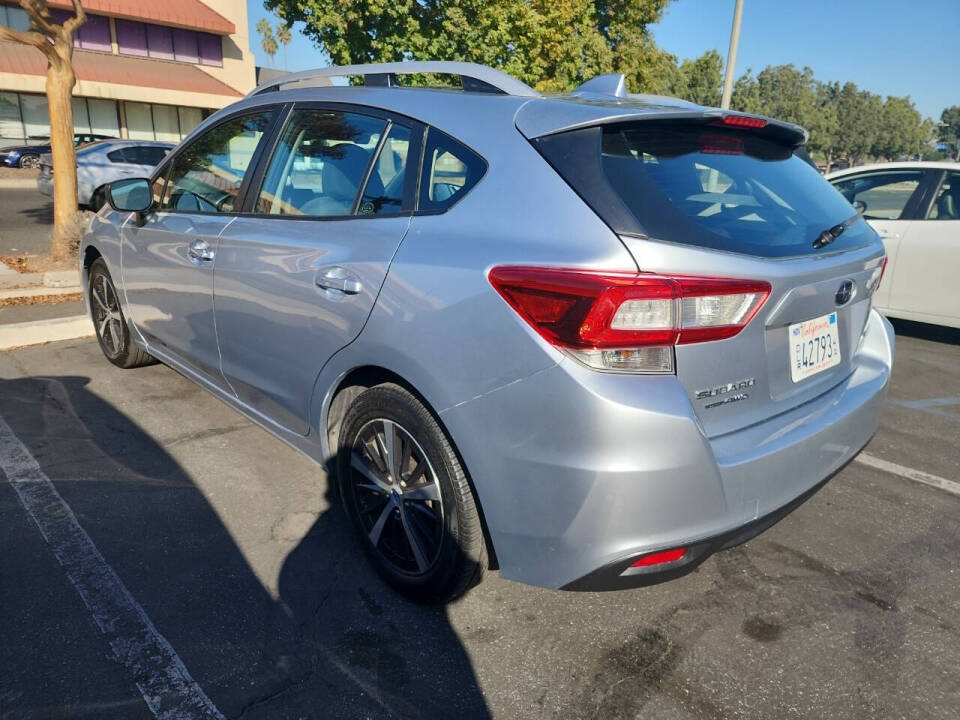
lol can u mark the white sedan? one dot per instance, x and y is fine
(915, 208)
(102, 162)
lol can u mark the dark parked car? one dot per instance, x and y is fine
(28, 156)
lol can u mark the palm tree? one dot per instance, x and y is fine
(284, 36)
(267, 41)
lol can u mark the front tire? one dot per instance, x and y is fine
(113, 335)
(408, 496)
(98, 199)
(29, 161)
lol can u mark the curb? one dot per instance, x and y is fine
(18, 183)
(10, 278)
(18, 335)
(28, 292)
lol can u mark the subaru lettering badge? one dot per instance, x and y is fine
(844, 293)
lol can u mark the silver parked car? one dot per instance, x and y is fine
(585, 340)
(100, 163)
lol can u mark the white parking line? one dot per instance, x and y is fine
(910, 474)
(160, 675)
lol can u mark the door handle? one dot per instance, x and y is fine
(200, 252)
(339, 279)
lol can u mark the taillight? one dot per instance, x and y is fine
(873, 282)
(627, 321)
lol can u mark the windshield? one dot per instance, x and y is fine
(729, 190)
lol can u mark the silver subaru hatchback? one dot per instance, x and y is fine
(585, 340)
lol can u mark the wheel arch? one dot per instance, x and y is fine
(363, 377)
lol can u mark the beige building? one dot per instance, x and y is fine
(146, 69)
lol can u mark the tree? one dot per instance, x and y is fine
(550, 45)
(267, 41)
(949, 130)
(901, 131)
(284, 36)
(55, 41)
(700, 80)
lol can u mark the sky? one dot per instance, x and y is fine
(889, 47)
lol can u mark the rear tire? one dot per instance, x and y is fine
(29, 161)
(113, 334)
(408, 497)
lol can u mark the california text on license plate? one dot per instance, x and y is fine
(814, 346)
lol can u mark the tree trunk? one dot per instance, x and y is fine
(828, 156)
(60, 82)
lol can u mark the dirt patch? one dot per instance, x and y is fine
(42, 299)
(38, 263)
(9, 173)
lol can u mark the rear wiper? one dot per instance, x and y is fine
(831, 234)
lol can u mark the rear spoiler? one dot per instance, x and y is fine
(549, 116)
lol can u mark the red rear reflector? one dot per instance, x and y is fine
(883, 269)
(741, 121)
(659, 558)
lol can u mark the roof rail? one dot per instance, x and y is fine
(475, 78)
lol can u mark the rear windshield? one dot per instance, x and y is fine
(718, 188)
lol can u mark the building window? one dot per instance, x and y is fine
(211, 49)
(131, 37)
(163, 43)
(25, 116)
(104, 119)
(160, 42)
(11, 125)
(94, 34)
(139, 120)
(14, 18)
(185, 46)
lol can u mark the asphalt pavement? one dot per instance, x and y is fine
(178, 543)
(26, 219)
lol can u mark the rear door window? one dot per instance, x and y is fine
(946, 204)
(321, 162)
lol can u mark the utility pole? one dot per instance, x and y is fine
(732, 55)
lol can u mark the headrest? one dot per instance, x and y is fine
(343, 169)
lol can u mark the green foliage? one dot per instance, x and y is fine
(554, 45)
(700, 80)
(948, 131)
(550, 45)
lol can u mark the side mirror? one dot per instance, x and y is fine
(131, 195)
(860, 206)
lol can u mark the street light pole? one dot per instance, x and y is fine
(732, 56)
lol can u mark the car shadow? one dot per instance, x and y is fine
(333, 642)
(40, 215)
(925, 331)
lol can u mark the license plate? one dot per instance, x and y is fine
(814, 346)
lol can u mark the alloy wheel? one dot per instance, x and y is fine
(398, 496)
(106, 315)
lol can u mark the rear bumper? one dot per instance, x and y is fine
(579, 472)
(45, 184)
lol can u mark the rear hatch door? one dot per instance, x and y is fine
(698, 196)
